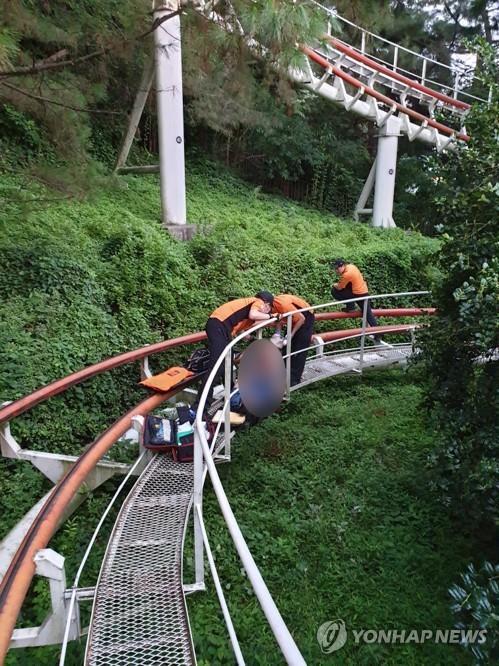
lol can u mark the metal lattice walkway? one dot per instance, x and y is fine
(139, 615)
(340, 363)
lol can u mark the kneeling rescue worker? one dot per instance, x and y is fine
(352, 285)
(301, 331)
(230, 319)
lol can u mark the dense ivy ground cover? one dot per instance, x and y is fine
(84, 280)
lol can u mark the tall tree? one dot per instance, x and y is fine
(460, 348)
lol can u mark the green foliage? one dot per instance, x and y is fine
(476, 605)
(82, 281)
(332, 496)
(462, 392)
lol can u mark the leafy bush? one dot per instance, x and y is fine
(458, 349)
(476, 606)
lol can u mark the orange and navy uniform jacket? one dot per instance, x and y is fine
(352, 275)
(235, 314)
(288, 302)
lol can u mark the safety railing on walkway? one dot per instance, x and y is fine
(204, 463)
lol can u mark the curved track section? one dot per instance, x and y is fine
(17, 580)
(139, 614)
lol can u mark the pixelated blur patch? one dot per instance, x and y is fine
(262, 378)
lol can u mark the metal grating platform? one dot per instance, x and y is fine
(139, 615)
(337, 364)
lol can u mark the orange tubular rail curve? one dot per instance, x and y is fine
(323, 62)
(27, 402)
(370, 330)
(17, 579)
(372, 64)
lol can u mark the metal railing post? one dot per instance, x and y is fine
(197, 502)
(423, 71)
(289, 326)
(363, 338)
(395, 58)
(227, 387)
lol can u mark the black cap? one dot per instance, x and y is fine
(338, 262)
(266, 296)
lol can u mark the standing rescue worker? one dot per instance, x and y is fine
(351, 285)
(301, 330)
(230, 319)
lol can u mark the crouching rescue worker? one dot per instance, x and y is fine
(301, 331)
(230, 319)
(352, 285)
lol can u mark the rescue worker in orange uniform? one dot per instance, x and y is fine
(301, 331)
(351, 285)
(230, 319)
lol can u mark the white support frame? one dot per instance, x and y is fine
(53, 466)
(50, 565)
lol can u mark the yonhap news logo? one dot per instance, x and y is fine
(333, 635)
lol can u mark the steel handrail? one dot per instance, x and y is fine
(412, 73)
(86, 554)
(368, 90)
(281, 633)
(367, 61)
(331, 338)
(335, 15)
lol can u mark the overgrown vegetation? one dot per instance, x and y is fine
(85, 280)
(460, 347)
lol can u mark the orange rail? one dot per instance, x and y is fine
(17, 579)
(25, 403)
(323, 62)
(372, 64)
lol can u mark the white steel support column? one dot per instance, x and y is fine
(168, 64)
(386, 167)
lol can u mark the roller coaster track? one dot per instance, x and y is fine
(350, 76)
(16, 582)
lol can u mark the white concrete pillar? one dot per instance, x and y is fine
(168, 64)
(386, 167)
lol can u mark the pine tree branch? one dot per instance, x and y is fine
(40, 98)
(49, 63)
